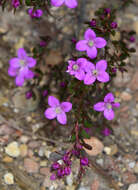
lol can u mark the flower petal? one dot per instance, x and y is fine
(80, 74)
(82, 62)
(50, 113)
(100, 106)
(62, 118)
(14, 62)
(23, 71)
(31, 62)
(53, 102)
(101, 65)
(116, 105)
(100, 42)
(103, 76)
(19, 80)
(66, 106)
(21, 53)
(109, 98)
(109, 114)
(12, 71)
(29, 75)
(92, 52)
(89, 34)
(71, 3)
(89, 66)
(89, 79)
(57, 3)
(81, 45)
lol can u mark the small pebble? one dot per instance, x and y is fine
(69, 179)
(23, 150)
(13, 149)
(9, 178)
(133, 186)
(7, 159)
(31, 166)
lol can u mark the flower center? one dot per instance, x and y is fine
(58, 110)
(22, 63)
(95, 72)
(90, 43)
(75, 67)
(108, 106)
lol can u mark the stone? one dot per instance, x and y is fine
(122, 79)
(69, 180)
(84, 188)
(136, 168)
(134, 82)
(135, 26)
(54, 57)
(114, 149)
(9, 178)
(133, 186)
(129, 178)
(45, 171)
(23, 150)
(125, 96)
(95, 184)
(33, 144)
(31, 166)
(7, 159)
(24, 139)
(43, 163)
(5, 130)
(12, 149)
(96, 144)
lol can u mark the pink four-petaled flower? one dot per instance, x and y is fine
(94, 72)
(57, 110)
(20, 67)
(68, 3)
(76, 68)
(107, 106)
(90, 43)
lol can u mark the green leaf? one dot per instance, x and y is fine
(73, 138)
(84, 134)
(87, 123)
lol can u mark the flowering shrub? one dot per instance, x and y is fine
(84, 84)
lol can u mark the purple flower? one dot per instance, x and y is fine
(132, 39)
(84, 161)
(113, 25)
(42, 43)
(90, 43)
(107, 106)
(35, 13)
(57, 109)
(28, 94)
(76, 68)
(67, 170)
(53, 177)
(60, 172)
(93, 23)
(55, 166)
(97, 71)
(15, 3)
(68, 3)
(45, 93)
(106, 132)
(19, 67)
(107, 10)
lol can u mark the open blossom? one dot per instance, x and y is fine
(76, 68)
(35, 13)
(90, 43)
(57, 110)
(107, 106)
(94, 72)
(68, 3)
(20, 67)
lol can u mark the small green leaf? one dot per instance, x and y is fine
(84, 134)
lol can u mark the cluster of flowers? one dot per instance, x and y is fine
(62, 167)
